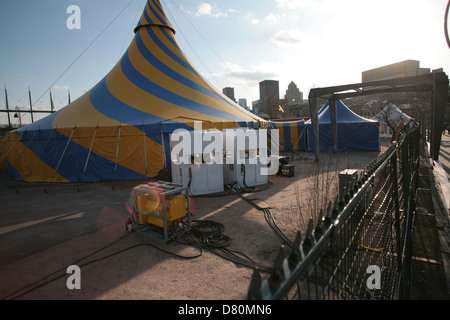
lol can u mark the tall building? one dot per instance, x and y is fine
(255, 106)
(269, 95)
(229, 92)
(243, 103)
(294, 96)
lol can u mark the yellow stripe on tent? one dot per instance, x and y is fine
(81, 113)
(29, 166)
(280, 127)
(294, 135)
(124, 144)
(155, 7)
(151, 72)
(169, 61)
(130, 94)
(5, 145)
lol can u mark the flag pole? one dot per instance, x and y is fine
(51, 102)
(7, 107)
(31, 106)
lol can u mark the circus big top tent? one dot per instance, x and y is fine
(119, 130)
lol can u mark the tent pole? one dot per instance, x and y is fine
(333, 118)
(31, 105)
(90, 150)
(163, 146)
(145, 150)
(65, 149)
(38, 131)
(7, 107)
(117, 151)
(42, 150)
(314, 123)
(301, 135)
(23, 150)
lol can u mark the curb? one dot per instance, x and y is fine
(443, 185)
(440, 187)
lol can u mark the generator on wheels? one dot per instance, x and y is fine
(163, 210)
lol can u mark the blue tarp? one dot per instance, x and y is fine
(354, 133)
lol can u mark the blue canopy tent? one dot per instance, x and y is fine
(354, 133)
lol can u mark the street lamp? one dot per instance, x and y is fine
(17, 115)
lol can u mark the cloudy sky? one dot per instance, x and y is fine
(233, 43)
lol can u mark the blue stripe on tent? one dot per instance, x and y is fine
(102, 100)
(42, 124)
(71, 164)
(166, 50)
(149, 86)
(301, 130)
(12, 172)
(148, 55)
(287, 136)
(169, 37)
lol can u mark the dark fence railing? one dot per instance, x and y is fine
(361, 246)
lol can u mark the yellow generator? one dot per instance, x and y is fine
(175, 209)
(159, 205)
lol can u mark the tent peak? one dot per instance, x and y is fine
(154, 15)
(154, 24)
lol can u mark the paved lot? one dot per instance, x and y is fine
(44, 228)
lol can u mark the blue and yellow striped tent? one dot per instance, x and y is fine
(119, 130)
(292, 135)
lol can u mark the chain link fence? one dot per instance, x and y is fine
(360, 247)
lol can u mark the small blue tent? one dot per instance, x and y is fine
(354, 133)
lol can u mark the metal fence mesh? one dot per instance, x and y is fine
(360, 247)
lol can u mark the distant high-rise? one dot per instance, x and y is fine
(229, 92)
(293, 95)
(255, 106)
(269, 95)
(243, 103)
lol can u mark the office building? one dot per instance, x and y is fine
(294, 96)
(229, 92)
(407, 68)
(269, 95)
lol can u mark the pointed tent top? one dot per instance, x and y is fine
(154, 15)
(392, 113)
(344, 114)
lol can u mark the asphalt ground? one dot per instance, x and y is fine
(46, 227)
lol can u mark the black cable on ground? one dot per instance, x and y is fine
(271, 221)
(236, 188)
(37, 284)
(209, 235)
